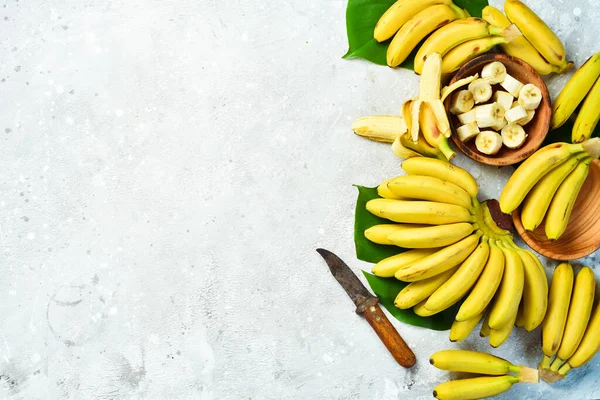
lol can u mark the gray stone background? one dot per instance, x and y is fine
(167, 169)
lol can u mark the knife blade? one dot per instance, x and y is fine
(367, 306)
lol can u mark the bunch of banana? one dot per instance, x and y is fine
(570, 331)
(539, 46)
(498, 370)
(584, 86)
(457, 251)
(547, 185)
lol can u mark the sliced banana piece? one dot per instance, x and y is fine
(500, 123)
(462, 101)
(530, 115)
(494, 72)
(515, 114)
(530, 96)
(467, 117)
(482, 91)
(513, 136)
(505, 99)
(488, 142)
(488, 115)
(511, 85)
(468, 131)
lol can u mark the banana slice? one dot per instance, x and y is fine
(488, 142)
(482, 91)
(468, 131)
(513, 136)
(515, 114)
(504, 98)
(488, 115)
(462, 101)
(500, 123)
(493, 73)
(530, 114)
(467, 117)
(511, 85)
(530, 96)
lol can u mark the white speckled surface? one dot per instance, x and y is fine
(167, 170)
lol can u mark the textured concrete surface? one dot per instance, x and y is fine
(167, 169)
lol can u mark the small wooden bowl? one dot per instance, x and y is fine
(582, 236)
(536, 129)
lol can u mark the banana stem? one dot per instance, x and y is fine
(526, 374)
(592, 147)
(564, 369)
(546, 361)
(556, 364)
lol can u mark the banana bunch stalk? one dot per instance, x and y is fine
(499, 372)
(584, 86)
(456, 251)
(548, 183)
(538, 47)
(570, 331)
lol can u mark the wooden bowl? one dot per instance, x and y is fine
(536, 129)
(582, 236)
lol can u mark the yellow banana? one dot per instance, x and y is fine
(535, 291)
(380, 128)
(419, 212)
(416, 28)
(441, 261)
(385, 192)
(499, 336)
(485, 326)
(578, 317)
(421, 311)
(558, 307)
(421, 147)
(402, 152)
(398, 14)
(537, 32)
(463, 279)
(489, 223)
(520, 321)
(429, 188)
(467, 51)
(538, 200)
(430, 236)
(563, 201)
(519, 47)
(474, 388)
(588, 347)
(442, 170)
(388, 267)
(532, 170)
(461, 329)
(506, 304)
(484, 290)
(472, 361)
(416, 292)
(575, 90)
(379, 233)
(588, 115)
(431, 132)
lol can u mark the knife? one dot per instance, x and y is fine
(367, 306)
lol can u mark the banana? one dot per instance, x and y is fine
(488, 115)
(417, 28)
(490, 225)
(520, 321)
(532, 170)
(508, 297)
(388, 267)
(505, 99)
(481, 90)
(441, 261)
(499, 336)
(558, 307)
(563, 201)
(472, 361)
(462, 280)
(535, 291)
(431, 132)
(402, 152)
(429, 188)
(398, 14)
(429, 92)
(382, 128)
(488, 142)
(379, 233)
(462, 101)
(485, 326)
(419, 212)
(415, 112)
(494, 73)
(512, 85)
(468, 117)
(484, 290)
(536, 32)
(421, 311)
(461, 329)
(516, 114)
(467, 132)
(430, 236)
(588, 115)
(467, 51)
(474, 388)
(574, 91)
(499, 124)
(421, 147)
(530, 96)
(588, 347)
(538, 200)
(448, 90)
(578, 317)
(444, 171)
(385, 192)
(513, 135)
(416, 292)
(518, 47)
(444, 39)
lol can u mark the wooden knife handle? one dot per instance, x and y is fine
(389, 335)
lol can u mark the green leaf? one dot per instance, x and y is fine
(388, 288)
(365, 249)
(361, 18)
